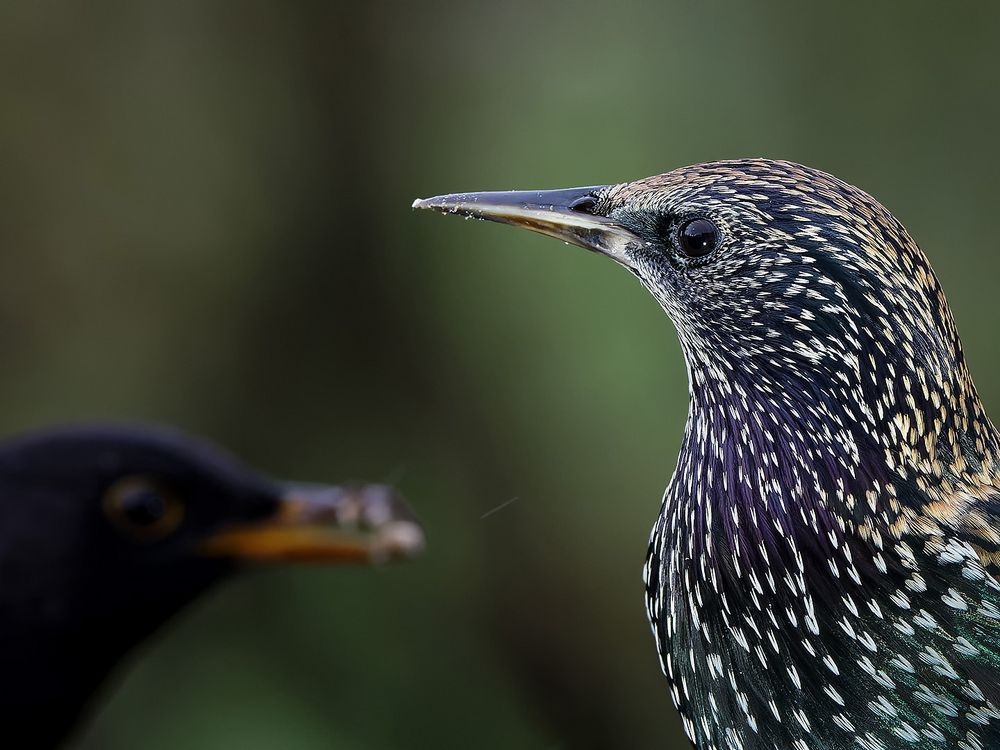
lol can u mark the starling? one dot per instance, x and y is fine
(106, 531)
(823, 571)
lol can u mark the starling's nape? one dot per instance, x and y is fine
(823, 572)
(106, 531)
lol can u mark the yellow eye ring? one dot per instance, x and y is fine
(142, 508)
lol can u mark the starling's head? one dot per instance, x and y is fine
(106, 531)
(772, 272)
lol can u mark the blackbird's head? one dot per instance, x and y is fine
(771, 272)
(106, 531)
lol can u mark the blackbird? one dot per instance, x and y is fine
(107, 530)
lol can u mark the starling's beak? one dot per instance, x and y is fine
(563, 214)
(369, 523)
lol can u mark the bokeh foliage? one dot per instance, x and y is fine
(205, 221)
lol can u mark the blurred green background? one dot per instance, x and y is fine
(205, 222)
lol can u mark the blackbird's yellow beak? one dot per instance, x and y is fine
(315, 523)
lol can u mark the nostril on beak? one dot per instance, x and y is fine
(584, 205)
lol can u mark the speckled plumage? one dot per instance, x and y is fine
(822, 572)
(822, 575)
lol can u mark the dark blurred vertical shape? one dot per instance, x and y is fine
(324, 316)
(338, 297)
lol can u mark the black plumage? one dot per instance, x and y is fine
(822, 574)
(106, 531)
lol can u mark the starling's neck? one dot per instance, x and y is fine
(761, 459)
(792, 452)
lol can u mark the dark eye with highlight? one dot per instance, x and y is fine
(697, 238)
(142, 509)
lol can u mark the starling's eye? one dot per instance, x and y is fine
(698, 237)
(142, 508)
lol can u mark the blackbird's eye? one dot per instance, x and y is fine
(142, 509)
(697, 238)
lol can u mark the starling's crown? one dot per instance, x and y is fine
(808, 270)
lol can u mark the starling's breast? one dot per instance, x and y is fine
(815, 637)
